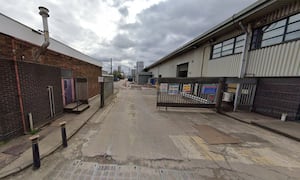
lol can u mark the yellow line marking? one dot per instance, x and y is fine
(255, 157)
(206, 151)
(186, 147)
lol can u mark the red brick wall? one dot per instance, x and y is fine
(25, 52)
(10, 114)
(34, 80)
(35, 76)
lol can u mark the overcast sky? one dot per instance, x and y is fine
(125, 30)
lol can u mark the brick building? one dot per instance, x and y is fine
(39, 86)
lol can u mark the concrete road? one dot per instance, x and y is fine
(132, 139)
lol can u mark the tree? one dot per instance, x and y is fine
(117, 74)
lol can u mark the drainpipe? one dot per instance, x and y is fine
(44, 12)
(245, 54)
(18, 85)
(243, 62)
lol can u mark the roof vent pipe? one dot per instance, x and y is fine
(44, 12)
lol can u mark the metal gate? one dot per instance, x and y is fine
(188, 92)
(245, 92)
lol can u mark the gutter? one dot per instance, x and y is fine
(243, 62)
(245, 54)
(44, 12)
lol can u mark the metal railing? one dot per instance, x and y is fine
(187, 92)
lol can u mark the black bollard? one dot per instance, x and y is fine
(35, 151)
(63, 134)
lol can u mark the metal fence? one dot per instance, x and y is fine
(108, 85)
(188, 92)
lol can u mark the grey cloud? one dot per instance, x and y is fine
(122, 41)
(167, 25)
(124, 11)
(118, 3)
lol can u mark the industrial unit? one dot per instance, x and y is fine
(259, 44)
(39, 76)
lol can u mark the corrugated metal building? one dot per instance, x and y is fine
(260, 42)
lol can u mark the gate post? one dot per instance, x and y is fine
(102, 95)
(220, 91)
(101, 83)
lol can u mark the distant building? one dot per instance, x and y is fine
(133, 73)
(119, 69)
(139, 66)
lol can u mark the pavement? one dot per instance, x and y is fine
(17, 154)
(289, 129)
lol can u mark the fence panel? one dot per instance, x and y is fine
(187, 92)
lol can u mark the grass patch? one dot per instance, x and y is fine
(2, 142)
(34, 131)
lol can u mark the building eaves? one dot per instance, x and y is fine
(20, 31)
(223, 25)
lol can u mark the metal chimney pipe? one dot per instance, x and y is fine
(44, 12)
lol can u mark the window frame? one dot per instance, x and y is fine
(257, 33)
(233, 49)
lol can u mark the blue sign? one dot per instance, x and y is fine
(209, 89)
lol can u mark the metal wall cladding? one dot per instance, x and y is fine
(227, 66)
(275, 96)
(274, 61)
(287, 8)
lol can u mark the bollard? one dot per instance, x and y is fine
(63, 133)
(35, 151)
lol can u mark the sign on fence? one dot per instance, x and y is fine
(173, 89)
(209, 89)
(186, 88)
(163, 87)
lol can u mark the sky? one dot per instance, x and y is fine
(124, 30)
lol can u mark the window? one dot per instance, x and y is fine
(239, 43)
(280, 31)
(217, 50)
(293, 28)
(182, 70)
(228, 47)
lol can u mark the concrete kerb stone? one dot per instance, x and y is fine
(235, 118)
(263, 127)
(276, 131)
(46, 154)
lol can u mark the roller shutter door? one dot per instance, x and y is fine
(275, 96)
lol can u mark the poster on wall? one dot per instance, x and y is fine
(163, 87)
(209, 89)
(173, 89)
(186, 88)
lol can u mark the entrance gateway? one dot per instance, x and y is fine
(203, 92)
